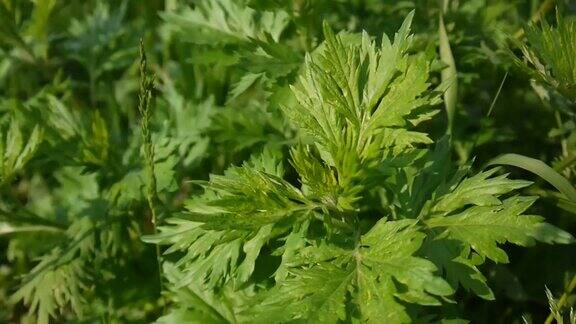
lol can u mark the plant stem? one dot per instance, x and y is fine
(146, 86)
(544, 8)
(66, 251)
(29, 218)
(563, 299)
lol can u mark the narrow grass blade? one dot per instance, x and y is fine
(540, 169)
(6, 228)
(449, 75)
(497, 94)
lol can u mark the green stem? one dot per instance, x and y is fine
(146, 87)
(69, 249)
(29, 218)
(567, 162)
(544, 8)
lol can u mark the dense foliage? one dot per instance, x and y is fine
(249, 161)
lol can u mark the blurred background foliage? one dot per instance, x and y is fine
(72, 203)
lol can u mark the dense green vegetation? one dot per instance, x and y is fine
(267, 161)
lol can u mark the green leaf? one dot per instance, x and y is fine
(540, 169)
(211, 257)
(55, 283)
(482, 228)
(481, 190)
(317, 295)
(40, 17)
(7, 228)
(10, 32)
(549, 55)
(252, 250)
(458, 266)
(196, 303)
(247, 199)
(227, 21)
(62, 280)
(14, 154)
(244, 84)
(227, 228)
(387, 250)
(317, 291)
(356, 100)
(449, 74)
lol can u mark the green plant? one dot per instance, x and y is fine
(377, 222)
(550, 52)
(255, 166)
